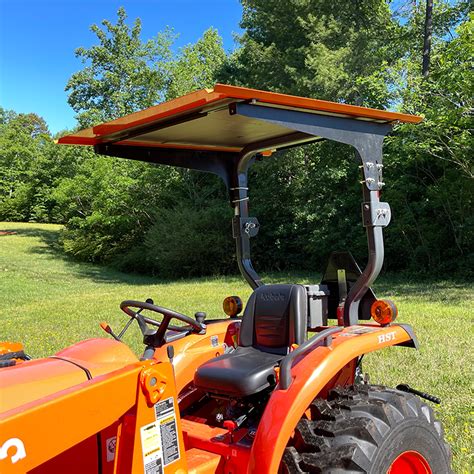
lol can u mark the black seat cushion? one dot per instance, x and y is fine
(241, 373)
(273, 320)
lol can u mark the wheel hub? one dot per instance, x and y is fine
(410, 462)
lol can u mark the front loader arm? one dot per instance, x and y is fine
(309, 376)
(47, 427)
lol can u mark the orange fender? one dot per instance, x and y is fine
(310, 374)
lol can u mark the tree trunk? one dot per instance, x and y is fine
(427, 37)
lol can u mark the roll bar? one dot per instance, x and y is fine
(232, 167)
(367, 139)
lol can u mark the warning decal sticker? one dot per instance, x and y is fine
(110, 445)
(151, 449)
(356, 330)
(166, 421)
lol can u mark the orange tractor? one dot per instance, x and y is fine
(276, 390)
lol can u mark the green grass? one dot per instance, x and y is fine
(48, 301)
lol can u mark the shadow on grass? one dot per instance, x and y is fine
(47, 236)
(425, 288)
(100, 273)
(449, 291)
(97, 273)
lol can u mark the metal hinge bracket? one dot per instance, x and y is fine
(248, 226)
(372, 174)
(376, 215)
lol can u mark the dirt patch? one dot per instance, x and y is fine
(6, 232)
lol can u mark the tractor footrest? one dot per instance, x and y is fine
(215, 440)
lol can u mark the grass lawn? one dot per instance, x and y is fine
(48, 302)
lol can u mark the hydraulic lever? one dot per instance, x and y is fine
(141, 323)
(105, 326)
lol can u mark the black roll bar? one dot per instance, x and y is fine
(324, 337)
(367, 138)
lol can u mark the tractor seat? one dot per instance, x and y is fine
(241, 373)
(273, 320)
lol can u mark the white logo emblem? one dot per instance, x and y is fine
(20, 452)
(389, 336)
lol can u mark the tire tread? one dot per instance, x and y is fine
(347, 429)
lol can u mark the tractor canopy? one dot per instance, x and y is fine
(227, 119)
(221, 131)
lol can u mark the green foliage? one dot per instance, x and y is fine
(329, 50)
(122, 73)
(343, 51)
(445, 99)
(200, 243)
(164, 221)
(196, 66)
(111, 206)
(362, 54)
(433, 190)
(24, 141)
(97, 206)
(306, 200)
(447, 14)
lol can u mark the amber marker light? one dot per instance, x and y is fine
(383, 311)
(232, 306)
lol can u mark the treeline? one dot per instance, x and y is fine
(177, 223)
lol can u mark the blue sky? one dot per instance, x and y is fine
(38, 39)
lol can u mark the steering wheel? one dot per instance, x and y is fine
(158, 337)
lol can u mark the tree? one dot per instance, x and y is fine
(432, 162)
(122, 73)
(427, 37)
(339, 50)
(23, 140)
(360, 52)
(425, 25)
(111, 206)
(126, 213)
(104, 205)
(197, 65)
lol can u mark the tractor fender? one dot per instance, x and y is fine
(309, 375)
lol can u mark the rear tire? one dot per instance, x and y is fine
(365, 429)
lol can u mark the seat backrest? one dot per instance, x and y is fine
(275, 318)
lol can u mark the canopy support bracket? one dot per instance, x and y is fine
(367, 138)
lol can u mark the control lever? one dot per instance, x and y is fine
(406, 388)
(105, 326)
(231, 426)
(141, 322)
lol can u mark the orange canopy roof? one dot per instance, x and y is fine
(201, 120)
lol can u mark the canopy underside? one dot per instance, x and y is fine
(203, 120)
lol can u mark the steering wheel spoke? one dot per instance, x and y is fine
(158, 338)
